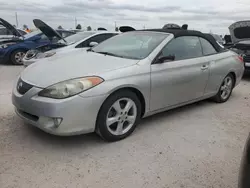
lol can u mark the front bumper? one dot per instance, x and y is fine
(244, 176)
(78, 114)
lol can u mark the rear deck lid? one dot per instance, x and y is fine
(240, 31)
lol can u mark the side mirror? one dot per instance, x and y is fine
(92, 44)
(165, 59)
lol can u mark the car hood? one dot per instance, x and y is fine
(47, 30)
(8, 26)
(74, 65)
(240, 31)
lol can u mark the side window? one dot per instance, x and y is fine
(65, 33)
(44, 37)
(97, 38)
(183, 48)
(4, 31)
(207, 47)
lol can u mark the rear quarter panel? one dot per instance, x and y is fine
(220, 66)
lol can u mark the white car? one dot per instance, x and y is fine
(79, 41)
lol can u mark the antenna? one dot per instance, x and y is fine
(16, 20)
(75, 22)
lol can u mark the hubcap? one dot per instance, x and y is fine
(121, 116)
(19, 56)
(226, 87)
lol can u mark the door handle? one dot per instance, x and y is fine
(204, 67)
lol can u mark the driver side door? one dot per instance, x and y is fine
(181, 79)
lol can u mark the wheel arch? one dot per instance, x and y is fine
(16, 48)
(133, 89)
(234, 76)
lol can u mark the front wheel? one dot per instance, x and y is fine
(17, 56)
(118, 116)
(225, 90)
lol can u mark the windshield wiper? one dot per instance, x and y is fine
(108, 53)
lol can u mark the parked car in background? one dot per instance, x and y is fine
(228, 41)
(12, 50)
(244, 177)
(218, 38)
(109, 88)
(240, 36)
(79, 41)
(7, 34)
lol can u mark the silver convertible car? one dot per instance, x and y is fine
(109, 88)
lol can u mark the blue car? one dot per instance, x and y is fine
(13, 50)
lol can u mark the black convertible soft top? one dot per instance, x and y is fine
(183, 32)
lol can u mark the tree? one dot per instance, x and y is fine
(116, 29)
(59, 27)
(79, 26)
(89, 28)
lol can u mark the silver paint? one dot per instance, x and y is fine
(163, 86)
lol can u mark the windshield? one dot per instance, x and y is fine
(32, 34)
(76, 37)
(132, 45)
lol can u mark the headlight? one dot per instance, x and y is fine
(6, 45)
(70, 88)
(44, 55)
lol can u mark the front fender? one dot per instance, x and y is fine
(137, 77)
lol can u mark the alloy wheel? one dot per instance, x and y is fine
(121, 116)
(19, 57)
(226, 87)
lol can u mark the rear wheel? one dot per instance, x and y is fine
(16, 57)
(118, 116)
(225, 90)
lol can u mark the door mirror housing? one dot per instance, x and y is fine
(165, 59)
(92, 44)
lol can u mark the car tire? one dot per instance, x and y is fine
(118, 116)
(16, 56)
(225, 90)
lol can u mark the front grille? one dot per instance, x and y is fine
(246, 58)
(23, 87)
(28, 115)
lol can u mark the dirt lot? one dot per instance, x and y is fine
(199, 145)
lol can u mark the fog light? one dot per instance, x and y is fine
(57, 122)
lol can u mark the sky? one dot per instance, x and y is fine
(205, 15)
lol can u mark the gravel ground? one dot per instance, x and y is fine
(199, 145)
